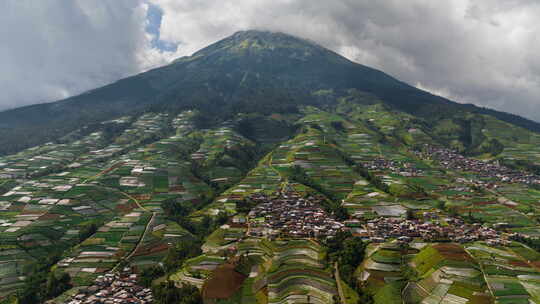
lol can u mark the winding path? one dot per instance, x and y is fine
(141, 239)
(103, 172)
(338, 283)
(139, 243)
(284, 181)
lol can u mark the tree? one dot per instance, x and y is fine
(453, 210)
(348, 251)
(441, 205)
(246, 128)
(341, 213)
(36, 285)
(181, 252)
(148, 275)
(244, 206)
(57, 284)
(87, 230)
(167, 292)
(338, 125)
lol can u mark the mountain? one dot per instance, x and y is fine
(248, 71)
(266, 169)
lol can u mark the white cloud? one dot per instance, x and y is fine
(479, 51)
(50, 49)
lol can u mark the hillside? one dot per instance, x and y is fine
(156, 188)
(287, 188)
(251, 71)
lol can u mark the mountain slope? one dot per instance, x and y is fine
(161, 194)
(251, 71)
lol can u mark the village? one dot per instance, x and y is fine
(405, 230)
(402, 168)
(450, 159)
(288, 214)
(114, 288)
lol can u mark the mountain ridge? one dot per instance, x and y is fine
(249, 66)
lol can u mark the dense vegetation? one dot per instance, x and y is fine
(166, 293)
(348, 253)
(42, 283)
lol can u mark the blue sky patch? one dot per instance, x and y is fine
(154, 15)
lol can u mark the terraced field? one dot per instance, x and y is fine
(296, 274)
(382, 272)
(447, 273)
(127, 191)
(278, 272)
(511, 272)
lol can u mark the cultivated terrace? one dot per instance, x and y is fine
(353, 203)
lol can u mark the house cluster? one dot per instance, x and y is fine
(450, 159)
(290, 215)
(114, 288)
(397, 167)
(383, 229)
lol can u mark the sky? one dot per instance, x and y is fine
(472, 51)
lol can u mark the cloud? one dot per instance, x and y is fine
(481, 51)
(477, 51)
(51, 49)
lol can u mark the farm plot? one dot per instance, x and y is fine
(498, 213)
(153, 247)
(146, 126)
(149, 177)
(268, 271)
(363, 198)
(44, 216)
(13, 262)
(183, 122)
(224, 156)
(263, 178)
(43, 159)
(447, 273)
(195, 271)
(381, 273)
(222, 239)
(221, 243)
(104, 249)
(391, 123)
(520, 198)
(488, 209)
(321, 163)
(519, 144)
(511, 271)
(298, 279)
(398, 168)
